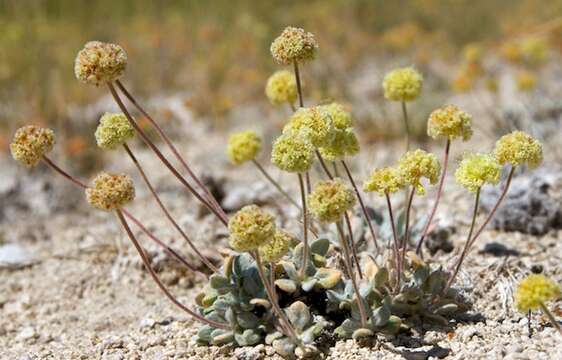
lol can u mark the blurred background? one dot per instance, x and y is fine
(214, 56)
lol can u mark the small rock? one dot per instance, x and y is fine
(14, 256)
(147, 323)
(27, 333)
(497, 249)
(258, 193)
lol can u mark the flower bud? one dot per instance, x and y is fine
(110, 191)
(30, 143)
(113, 130)
(99, 63)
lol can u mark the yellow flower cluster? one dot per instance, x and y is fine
(518, 148)
(110, 191)
(292, 154)
(294, 44)
(330, 199)
(344, 144)
(418, 164)
(243, 146)
(113, 131)
(281, 88)
(403, 84)
(341, 119)
(312, 124)
(387, 180)
(99, 63)
(477, 169)
(30, 143)
(526, 81)
(534, 291)
(274, 250)
(250, 228)
(449, 122)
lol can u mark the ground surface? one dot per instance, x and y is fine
(80, 291)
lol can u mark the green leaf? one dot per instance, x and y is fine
(288, 286)
(298, 315)
(320, 246)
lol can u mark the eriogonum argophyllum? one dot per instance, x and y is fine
(535, 290)
(341, 119)
(99, 63)
(402, 84)
(477, 169)
(344, 144)
(418, 164)
(312, 124)
(250, 228)
(113, 131)
(292, 154)
(330, 199)
(30, 143)
(449, 122)
(110, 191)
(518, 148)
(243, 146)
(294, 44)
(387, 180)
(281, 88)
(279, 245)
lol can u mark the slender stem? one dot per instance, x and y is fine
(80, 184)
(64, 173)
(406, 234)
(439, 192)
(163, 136)
(551, 318)
(406, 124)
(395, 236)
(308, 182)
(495, 208)
(353, 245)
(292, 106)
(335, 166)
(273, 299)
(159, 283)
(274, 183)
(304, 227)
(166, 212)
(162, 158)
(324, 166)
(467, 244)
(299, 86)
(362, 203)
(272, 279)
(347, 261)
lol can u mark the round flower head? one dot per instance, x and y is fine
(418, 164)
(535, 290)
(250, 228)
(312, 124)
(402, 84)
(330, 199)
(281, 88)
(345, 143)
(476, 169)
(387, 180)
(110, 191)
(526, 81)
(99, 63)
(243, 146)
(294, 44)
(30, 143)
(518, 148)
(341, 119)
(292, 153)
(113, 131)
(274, 250)
(449, 122)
